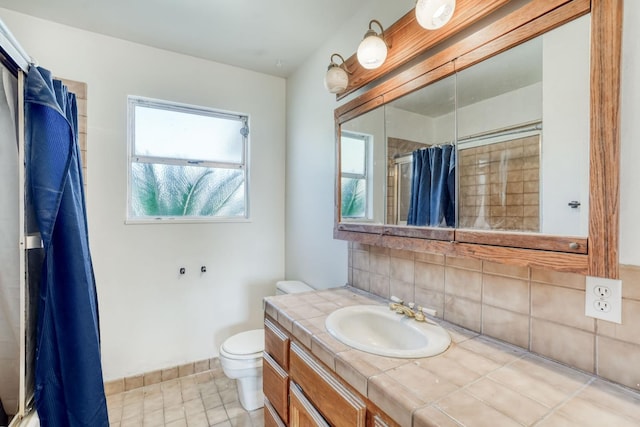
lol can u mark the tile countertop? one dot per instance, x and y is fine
(478, 381)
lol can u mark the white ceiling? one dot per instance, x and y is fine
(268, 36)
(513, 69)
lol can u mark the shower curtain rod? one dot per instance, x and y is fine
(519, 129)
(13, 49)
(522, 128)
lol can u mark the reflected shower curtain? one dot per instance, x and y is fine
(433, 184)
(69, 387)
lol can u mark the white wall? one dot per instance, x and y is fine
(150, 317)
(312, 254)
(519, 106)
(414, 127)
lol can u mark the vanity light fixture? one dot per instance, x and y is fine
(434, 14)
(372, 50)
(336, 80)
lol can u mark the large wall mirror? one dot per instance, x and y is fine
(501, 145)
(493, 149)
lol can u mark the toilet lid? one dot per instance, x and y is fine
(248, 342)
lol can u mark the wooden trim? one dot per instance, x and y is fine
(359, 109)
(403, 82)
(571, 263)
(604, 190)
(433, 233)
(407, 40)
(576, 245)
(566, 262)
(536, 27)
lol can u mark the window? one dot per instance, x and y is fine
(186, 162)
(353, 176)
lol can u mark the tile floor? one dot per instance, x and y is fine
(201, 400)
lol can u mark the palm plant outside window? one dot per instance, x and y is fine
(186, 162)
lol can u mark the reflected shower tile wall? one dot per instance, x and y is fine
(499, 185)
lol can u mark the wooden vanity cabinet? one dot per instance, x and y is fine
(275, 376)
(271, 417)
(303, 413)
(301, 391)
(340, 407)
(276, 344)
(275, 385)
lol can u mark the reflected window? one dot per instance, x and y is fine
(354, 167)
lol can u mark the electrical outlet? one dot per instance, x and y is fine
(604, 299)
(602, 291)
(602, 306)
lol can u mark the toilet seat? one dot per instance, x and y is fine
(243, 346)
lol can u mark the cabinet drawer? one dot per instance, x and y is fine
(275, 385)
(271, 417)
(303, 414)
(339, 406)
(276, 343)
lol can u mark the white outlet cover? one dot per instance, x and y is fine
(614, 301)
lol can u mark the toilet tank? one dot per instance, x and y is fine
(291, 287)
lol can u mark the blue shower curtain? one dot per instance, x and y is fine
(433, 184)
(68, 381)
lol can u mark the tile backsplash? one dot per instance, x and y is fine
(539, 310)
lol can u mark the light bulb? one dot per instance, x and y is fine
(336, 80)
(434, 14)
(372, 51)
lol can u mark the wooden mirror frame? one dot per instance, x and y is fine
(596, 255)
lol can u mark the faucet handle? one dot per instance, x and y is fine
(429, 311)
(396, 299)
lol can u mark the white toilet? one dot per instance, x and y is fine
(241, 355)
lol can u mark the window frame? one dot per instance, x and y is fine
(134, 101)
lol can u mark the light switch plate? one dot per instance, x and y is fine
(603, 299)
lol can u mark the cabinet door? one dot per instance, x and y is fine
(275, 385)
(336, 403)
(271, 417)
(303, 414)
(276, 343)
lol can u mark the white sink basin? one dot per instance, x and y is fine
(378, 330)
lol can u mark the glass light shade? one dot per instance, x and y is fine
(336, 80)
(372, 51)
(433, 14)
